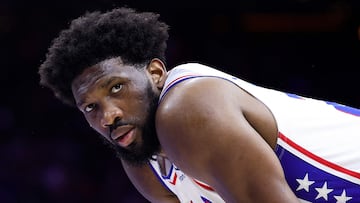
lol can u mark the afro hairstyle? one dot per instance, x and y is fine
(135, 37)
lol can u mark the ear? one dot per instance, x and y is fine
(157, 71)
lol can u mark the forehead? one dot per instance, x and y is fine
(104, 70)
(97, 71)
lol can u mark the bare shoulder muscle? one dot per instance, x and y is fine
(203, 129)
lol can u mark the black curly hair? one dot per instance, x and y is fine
(135, 37)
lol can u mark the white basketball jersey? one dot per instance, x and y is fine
(318, 144)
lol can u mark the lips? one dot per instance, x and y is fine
(123, 135)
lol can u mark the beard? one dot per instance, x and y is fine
(139, 153)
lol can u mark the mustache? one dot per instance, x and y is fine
(117, 123)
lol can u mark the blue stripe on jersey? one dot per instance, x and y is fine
(337, 106)
(313, 184)
(294, 96)
(168, 88)
(189, 77)
(159, 178)
(344, 108)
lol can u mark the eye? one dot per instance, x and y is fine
(116, 88)
(89, 108)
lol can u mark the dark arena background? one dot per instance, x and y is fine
(49, 154)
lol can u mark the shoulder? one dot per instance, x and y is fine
(197, 93)
(191, 113)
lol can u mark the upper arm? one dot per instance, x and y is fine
(202, 128)
(146, 182)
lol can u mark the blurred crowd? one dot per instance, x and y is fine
(49, 154)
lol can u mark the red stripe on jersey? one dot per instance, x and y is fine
(177, 79)
(203, 185)
(317, 158)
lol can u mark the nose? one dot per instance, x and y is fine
(110, 114)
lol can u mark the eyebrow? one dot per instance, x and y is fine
(108, 82)
(103, 85)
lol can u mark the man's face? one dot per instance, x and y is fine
(119, 102)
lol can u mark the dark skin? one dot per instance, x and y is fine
(237, 134)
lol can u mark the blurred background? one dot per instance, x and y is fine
(49, 154)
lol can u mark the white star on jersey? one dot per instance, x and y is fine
(323, 191)
(342, 198)
(304, 183)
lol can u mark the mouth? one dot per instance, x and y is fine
(123, 135)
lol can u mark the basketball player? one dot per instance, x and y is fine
(195, 134)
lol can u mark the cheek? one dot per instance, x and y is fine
(140, 105)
